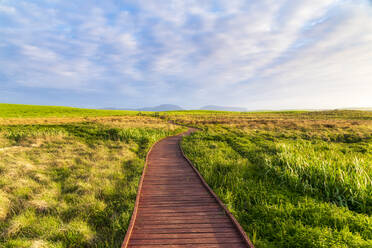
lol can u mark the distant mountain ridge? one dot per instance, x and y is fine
(173, 107)
(159, 108)
(223, 108)
(163, 107)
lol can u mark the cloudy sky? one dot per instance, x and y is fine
(258, 54)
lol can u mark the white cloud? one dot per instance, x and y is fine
(37, 53)
(7, 9)
(259, 53)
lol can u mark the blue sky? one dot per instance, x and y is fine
(258, 54)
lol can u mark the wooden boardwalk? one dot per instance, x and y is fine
(175, 207)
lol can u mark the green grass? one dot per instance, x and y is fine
(72, 184)
(69, 177)
(32, 111)
(290, 182)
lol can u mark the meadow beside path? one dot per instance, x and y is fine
(175, 208)
(69, 177)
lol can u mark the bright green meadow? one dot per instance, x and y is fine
(291, 179)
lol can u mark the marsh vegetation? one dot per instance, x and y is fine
(292, 179)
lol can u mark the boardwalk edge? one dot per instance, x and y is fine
(135, 209)
(228, 213)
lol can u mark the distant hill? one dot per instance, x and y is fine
(163, 107)
(172, 107)
(223, 108)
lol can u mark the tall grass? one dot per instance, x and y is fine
(290, 182)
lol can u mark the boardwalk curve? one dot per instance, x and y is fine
(176, 208)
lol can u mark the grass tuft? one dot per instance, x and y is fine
(4, 205)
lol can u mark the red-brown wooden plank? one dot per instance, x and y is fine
(144, 236)
(175, 207)
(238, 245)
(200, 240)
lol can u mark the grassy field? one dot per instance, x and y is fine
(293, 179)
(71, 182)
(68, 177)
(34, 111)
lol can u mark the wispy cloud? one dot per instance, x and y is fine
(257, 54)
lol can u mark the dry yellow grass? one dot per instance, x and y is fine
(71, 182)
(4, 205)
(122, 121)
